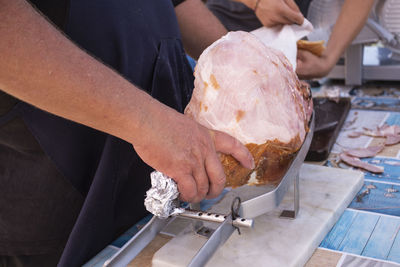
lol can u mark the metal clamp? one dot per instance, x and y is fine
(220, 235)
(215, 217)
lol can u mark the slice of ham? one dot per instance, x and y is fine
(356, 162)
(390, 132)
(251, 92)
(387, 130)
(373, 133)
(364, 152)
(383, 131)
(354, 134)
(392, 140)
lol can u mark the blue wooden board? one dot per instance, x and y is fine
(367, 234)
(394, 254)
(380, 199)
(382, 238)
(358, 234)
(394, 118)
(335, 237)
(391, 173)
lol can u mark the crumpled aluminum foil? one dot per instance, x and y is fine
(161, 198)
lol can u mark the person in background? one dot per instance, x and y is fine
(91, 100)
(248, 15)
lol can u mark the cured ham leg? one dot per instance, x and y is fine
(250, 91)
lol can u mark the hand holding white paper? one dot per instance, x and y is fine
(284, 38)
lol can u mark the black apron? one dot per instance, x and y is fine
(141, 40)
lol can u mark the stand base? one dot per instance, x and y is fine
(325, 193)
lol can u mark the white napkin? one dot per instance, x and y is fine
(284, 38)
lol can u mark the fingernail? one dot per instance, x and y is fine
(252, 162)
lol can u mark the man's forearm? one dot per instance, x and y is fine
(351, 19)
(199, 27)
(42, 67)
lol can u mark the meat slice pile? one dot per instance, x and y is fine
(250, 91)
(352, 157)
(364, 152)
(390, 132)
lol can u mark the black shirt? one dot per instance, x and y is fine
(57, 10)
(35, 218)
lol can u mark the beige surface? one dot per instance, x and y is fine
(323, 258)
(145, 257)
(388, 151)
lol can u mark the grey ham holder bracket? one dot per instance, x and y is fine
(265, 200)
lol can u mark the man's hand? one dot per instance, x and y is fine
(278, 12)
(310, 66)
(187, 152)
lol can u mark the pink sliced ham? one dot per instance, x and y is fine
(392, 140)
(356, 162)
(354, 134)
(386, 130)
(390, 132)
(250, 91)
(364, 152)
(383, 131)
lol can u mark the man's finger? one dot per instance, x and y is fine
(202, 182)
(215, 174)
(292, 16)
(187, 188)
(228, 145)
(282, 20)
(272, 22)
(292, 4)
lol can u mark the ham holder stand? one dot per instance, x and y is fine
(244, 203)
